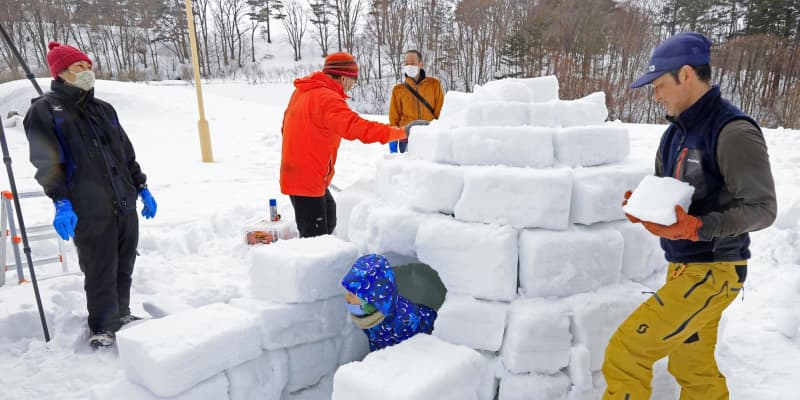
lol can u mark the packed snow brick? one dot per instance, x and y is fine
(535, 90)
(215, 388)
(520, 197)
(543, 114)
(579, 370)
(286, 325)
(421, 368)
(642, 254)
(300, 270)
(497, 113)
(476, 260)
(590, 110)
(587, 146)
(489, 381)
(569, 262)
(386, 229)
(454, 102)
(432, 143)
(597, 192)
(264, 378)
(172, 354)
(537, 338)
(534, 387)
(355, 344)
(419, 185)
(347, 199)
(309, 363)
(512, 146)
(470, 322)
(596, 315)
(655, 199)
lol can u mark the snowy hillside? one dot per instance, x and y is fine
(192, 252)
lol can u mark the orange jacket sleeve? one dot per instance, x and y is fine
(343, 121)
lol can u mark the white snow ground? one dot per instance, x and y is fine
(192, 252)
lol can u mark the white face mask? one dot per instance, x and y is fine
(84, 80)
(411, 70)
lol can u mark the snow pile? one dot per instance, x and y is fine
(251, 348)
(514, 198)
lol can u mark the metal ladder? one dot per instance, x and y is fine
(41, 232)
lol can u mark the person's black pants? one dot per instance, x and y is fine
(106, 254)
(315, 216)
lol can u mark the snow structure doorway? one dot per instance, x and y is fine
(420, 284)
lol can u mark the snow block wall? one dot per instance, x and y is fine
(514, 197)
(289, 335)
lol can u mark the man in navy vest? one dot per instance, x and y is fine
(721, 151)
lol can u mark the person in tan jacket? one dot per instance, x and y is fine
(418, 97)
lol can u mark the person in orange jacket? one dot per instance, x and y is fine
(314, 123)
(418, 98)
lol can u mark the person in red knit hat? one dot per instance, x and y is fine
(86, 164)
(314, 123)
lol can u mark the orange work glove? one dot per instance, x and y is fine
(685, 229)
(624, 202)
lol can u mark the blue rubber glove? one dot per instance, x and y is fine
(149, 210)
(65, 219)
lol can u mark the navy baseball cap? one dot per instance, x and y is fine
(685, 48)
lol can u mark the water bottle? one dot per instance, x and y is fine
(273, 210)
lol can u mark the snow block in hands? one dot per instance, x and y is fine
(565, 263)
(215, 388)
(587, 146)
(470, 322)
(596, 316)
(286, 325)
(520, 197)
(420, 368)
(510, 146)
(597, 192)
(173, 354)
(655, 199)
(419, 185)
(537, 338)
(534, 387)
(261, 379)
(476, 260)
(300, 270)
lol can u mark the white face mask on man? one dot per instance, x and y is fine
(411, 70)
(84, 80)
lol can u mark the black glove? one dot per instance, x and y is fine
(418, 122)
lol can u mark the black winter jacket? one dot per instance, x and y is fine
(81, 152)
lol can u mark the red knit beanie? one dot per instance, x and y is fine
(62, 56)
(341, 63)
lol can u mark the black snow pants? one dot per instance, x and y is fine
(315, 216)
(106, 254)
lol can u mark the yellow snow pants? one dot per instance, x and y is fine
(680, 321)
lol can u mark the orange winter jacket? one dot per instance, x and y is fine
(314, 123)
(405, 107)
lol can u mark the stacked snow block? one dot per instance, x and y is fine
(289, 336)
(420, 368)
(514, 197)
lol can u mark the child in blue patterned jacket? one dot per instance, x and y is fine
(386, 317)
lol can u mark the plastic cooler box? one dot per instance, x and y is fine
(262, 231)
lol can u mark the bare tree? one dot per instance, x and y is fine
(295, 23)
